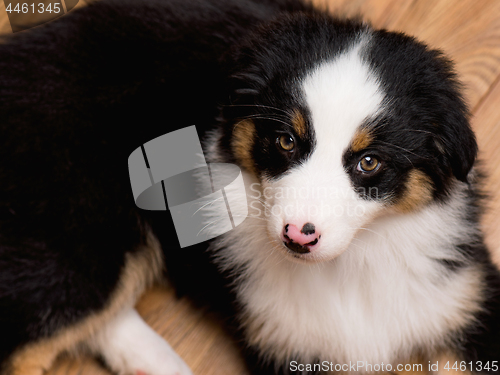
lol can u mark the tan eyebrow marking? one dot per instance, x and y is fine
(299, 123)
(242, 143)
(361, 140)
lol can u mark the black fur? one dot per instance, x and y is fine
(78, 95)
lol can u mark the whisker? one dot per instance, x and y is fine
(371, 230)
(265, 114)
(273, 119)
(401, 148)
(273, 247)
(212, 222)
(421, 131)
(363, 242)
(257, 106)
(210, 202)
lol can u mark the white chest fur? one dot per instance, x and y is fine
(377, 302)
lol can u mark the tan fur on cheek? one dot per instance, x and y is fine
(418, 192)
(142, 268)
(242, 144)
(361, 140)
(298, 122)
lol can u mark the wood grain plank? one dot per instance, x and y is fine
(4, 20)
(468, 31)
(379, 13)
(486, 124)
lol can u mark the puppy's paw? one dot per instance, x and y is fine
(130, 347)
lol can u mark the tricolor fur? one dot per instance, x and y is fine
(362, 241)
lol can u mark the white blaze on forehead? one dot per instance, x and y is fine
(341, 94)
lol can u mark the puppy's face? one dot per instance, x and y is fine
(375, 128)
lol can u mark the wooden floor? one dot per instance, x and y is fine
(469, 32)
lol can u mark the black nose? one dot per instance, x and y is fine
(308, 228)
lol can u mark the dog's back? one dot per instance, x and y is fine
(76, 97)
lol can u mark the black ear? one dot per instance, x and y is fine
(456, 143)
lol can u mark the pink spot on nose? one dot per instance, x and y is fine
(300, 240)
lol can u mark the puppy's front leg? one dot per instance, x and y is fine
(130, 347)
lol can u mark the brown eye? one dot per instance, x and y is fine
(368, 164)
(286, 142)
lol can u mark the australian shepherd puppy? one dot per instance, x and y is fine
(362, 242)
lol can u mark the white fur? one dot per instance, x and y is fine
(129, 345)
(378, 293)
(381, 299)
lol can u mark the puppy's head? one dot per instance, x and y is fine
(341, 124)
